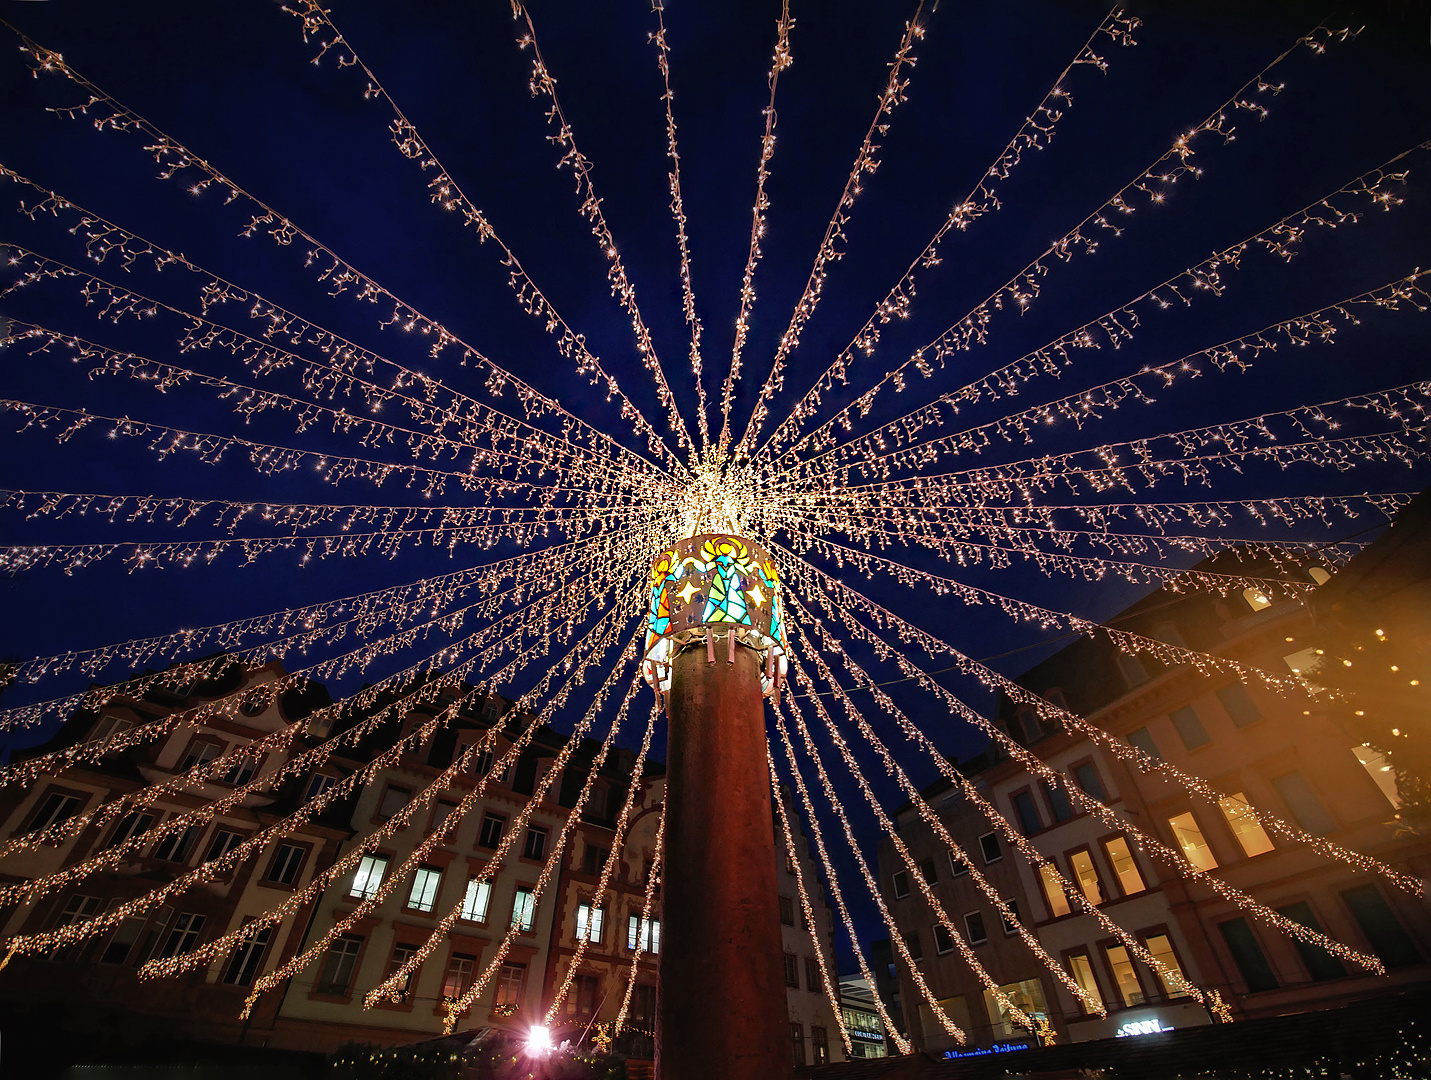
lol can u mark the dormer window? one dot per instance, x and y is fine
(1257, 599)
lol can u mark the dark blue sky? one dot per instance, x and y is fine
(233, 83)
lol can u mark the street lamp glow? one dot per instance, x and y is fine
(539, 1041)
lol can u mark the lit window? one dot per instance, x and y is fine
(1125, 867)
(820, 1040)
(1129, 989)
(1053, 890)
(1081, 967)
(458, 976)
(524, 910)
(648, 934)
(510, 983)
(1303, 661)
(1086, 875)
(1190, 839)
(1174, 985)
(590, 921)
(425, 883)
(1256, 599)
(1244, 823)
(1027, 995)
(369, 876)
(475, 900)
(401, 955)
(1317, 574)
(1379, 769)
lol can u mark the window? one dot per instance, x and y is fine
(974, 928)
(1189, 727)
(792, 970)
(1027, 995)
(123, 939)
(1161, 946)
(175, 846)
(492, 828)
(1081, 968)
(458, 976)
(1011, 920)
(1053, 892)
(813, 982)
(595, 859)
(524, 909)
(241, 771)
(797, 1042)
(536, 842)
(401, 955)
(1244, 824)
(287, 864)
(583, 997)
(1388, 938)
(442, 812)
(1142, 738)
(1379, 769)
(787, 911)
(1026, 812)
(247, 958)
(108, 728)
(912, 946)
(1058, 800)
(1125, 977)
(183, 937)
(1086, 874)
(590, 922)
(1087, 778)
(130, 826)
(943, 939)
(1320, 963)
(54, 808)
(1248, 955)
(77, 909)
(1304, 804)
(1026, 726)
(200, 752)
(820, 1041)
(1239, 704)
(484, 763)
(339, 964)
(644, 1009)
(648, 935)
(989, 845)
(317, 784)
(224, 841)
(957, 866)
(394, 799)
(475, 900)
(1256, 599)
(1189, 838)
(1131, 668)
(510, 984)
(900, 881)
(1125, 867)
(1303, 661)
(425, 883)
(371, 869)
(928, 872)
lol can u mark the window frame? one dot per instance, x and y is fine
(894, 884)
(377, 854)
(324, 992)
(790, 966)
(32, 821)
(1164, 930)
(945, 946)
(491, 816)
(473, 879)
(1047, 887)
(1117, 879)
(268, 881)
(984, 849)
(1104, 945)
(529, 889)
(378, 817)
(425, 872)
(1038, 826)
(1101, 795)
(1097, 874)
(198, 739)
(969, 928)
(533, 832)
(1086, 952)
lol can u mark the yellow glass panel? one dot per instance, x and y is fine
(1125, 867)
(1190, 839)
(1245, 826)
(1087, 876)
(1162, 949)
(1129, 989)
(1082, 969)
(1053, 891)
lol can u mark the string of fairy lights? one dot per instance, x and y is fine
(493, 465)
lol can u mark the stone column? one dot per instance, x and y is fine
(721, 1009)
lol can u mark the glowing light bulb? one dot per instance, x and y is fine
(539, 1041)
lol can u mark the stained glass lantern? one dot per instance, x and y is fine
(714, 587)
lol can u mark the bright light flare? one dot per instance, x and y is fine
(539, 1041)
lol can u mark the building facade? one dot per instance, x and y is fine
(1282, 753)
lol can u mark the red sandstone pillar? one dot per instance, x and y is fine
(721, 1010)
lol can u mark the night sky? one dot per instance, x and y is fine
(233, 83)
